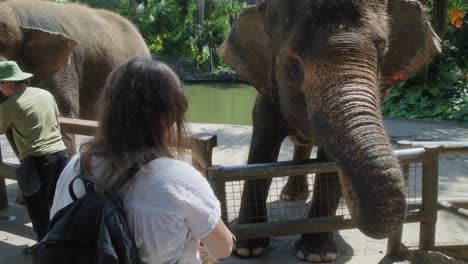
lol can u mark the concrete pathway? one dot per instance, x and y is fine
(233, 143)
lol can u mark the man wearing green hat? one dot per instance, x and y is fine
(32, 115)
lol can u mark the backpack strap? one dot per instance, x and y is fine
(88, 184)
(90, 181)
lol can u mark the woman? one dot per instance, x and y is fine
(169, 205)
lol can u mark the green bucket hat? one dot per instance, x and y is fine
(10, 71)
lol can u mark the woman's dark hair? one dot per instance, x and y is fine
(141, 113)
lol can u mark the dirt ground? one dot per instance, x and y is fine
(355, 248)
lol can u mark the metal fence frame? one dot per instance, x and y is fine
(426, 153)
(201, 144)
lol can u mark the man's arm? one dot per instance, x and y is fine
(5, 129)
(57, 112)
(4, 122)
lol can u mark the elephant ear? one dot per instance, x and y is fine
(246, 49)
(46, 52)
(413, 42)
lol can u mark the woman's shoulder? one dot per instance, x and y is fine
(173, 166)
(172, 171)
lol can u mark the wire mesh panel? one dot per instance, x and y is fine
(326, 195)
(414, 187)
(279, 209)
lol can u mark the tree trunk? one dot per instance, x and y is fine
(200, 18)
(212, 65)
(439, 15)
(200, 11)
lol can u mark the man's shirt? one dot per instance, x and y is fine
(32, 114)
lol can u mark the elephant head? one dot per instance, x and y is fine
(38, 51)
(328, 64)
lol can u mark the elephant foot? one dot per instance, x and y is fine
(251, 247)
(295, 189)
(317, 248)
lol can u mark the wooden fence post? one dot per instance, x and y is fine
(394, 241)
(429, 206)
(202, 151)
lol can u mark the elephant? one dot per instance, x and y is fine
(322, 69)
(69, 48)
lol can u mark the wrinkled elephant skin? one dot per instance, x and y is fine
(321, 69)
(70, 49)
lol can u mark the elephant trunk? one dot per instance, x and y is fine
(346, 117)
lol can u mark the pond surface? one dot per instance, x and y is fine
(220, 103)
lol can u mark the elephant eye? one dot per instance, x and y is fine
(293, 64)
(380, 42)
(381, 45)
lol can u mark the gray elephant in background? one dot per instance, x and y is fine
(70, 49)
(321, 69)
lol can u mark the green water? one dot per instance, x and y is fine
(220, 103)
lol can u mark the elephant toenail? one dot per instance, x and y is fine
(258, 251)
(314, 258)
(300, 255)
(330, 257)
(243, 252)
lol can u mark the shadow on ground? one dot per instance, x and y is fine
(16, 234)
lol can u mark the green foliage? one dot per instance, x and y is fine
(441, 90)
(171, 26)
(106, 4)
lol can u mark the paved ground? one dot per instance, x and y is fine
(233, 141)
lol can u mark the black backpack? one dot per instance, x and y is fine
(92, 229)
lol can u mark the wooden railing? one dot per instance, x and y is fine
(201, 146)
(410, 153)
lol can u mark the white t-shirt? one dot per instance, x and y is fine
(169, 206)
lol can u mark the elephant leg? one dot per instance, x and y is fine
(321, 247)
(297, 187)
(70, 143)
(64, 87)
(269, 130)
